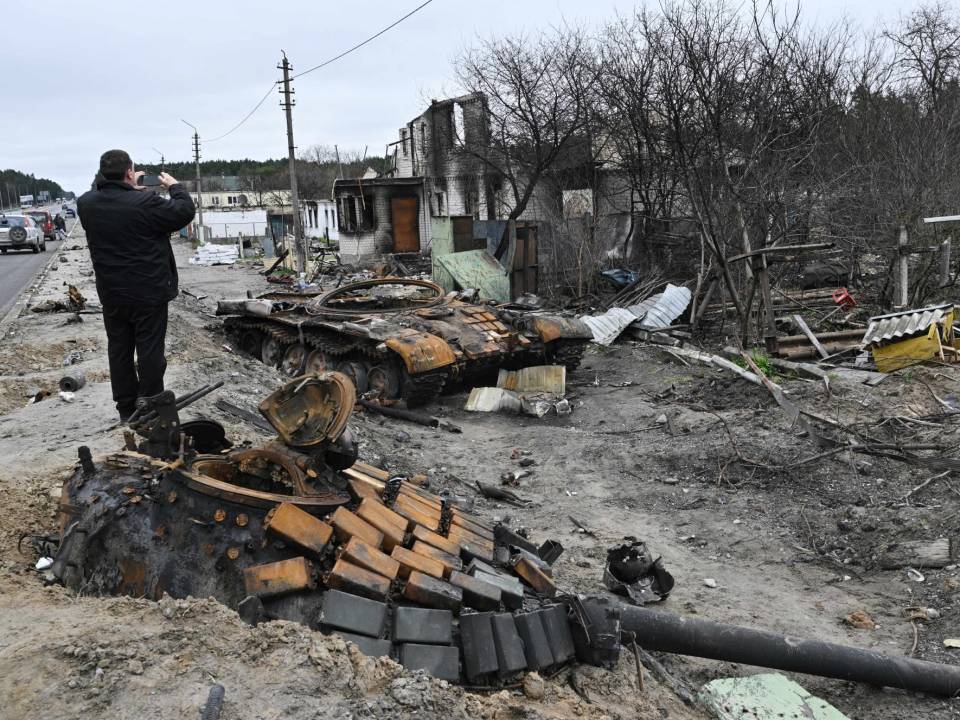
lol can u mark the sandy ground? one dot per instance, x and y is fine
(792, 549)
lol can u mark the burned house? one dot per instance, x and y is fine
(431, 176)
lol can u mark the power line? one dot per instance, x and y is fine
(360, 45)
(247, 116)
(317, 67)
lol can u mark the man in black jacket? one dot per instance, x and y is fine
(128, 233)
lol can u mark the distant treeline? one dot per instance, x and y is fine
(14, 183)
(245, 167)
(317, 168)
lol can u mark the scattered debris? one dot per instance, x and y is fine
(73, 382)
(211, 254)
(860, 620)
(768, 695)
(74, 302)
(632, 571)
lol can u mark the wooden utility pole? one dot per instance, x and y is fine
(287, 106)
(196, 158)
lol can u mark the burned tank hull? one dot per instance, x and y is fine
(399, 338)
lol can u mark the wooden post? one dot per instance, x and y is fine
(945, 262)
(904, 298)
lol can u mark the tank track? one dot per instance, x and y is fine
(416, 390)
(420, 389)
(566, 352)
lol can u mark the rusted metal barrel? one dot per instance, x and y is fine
(666, 632)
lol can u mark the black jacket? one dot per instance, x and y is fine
(128, 233)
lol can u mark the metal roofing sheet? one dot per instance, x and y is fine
(671, 304)
(898, 326)
(607, 327)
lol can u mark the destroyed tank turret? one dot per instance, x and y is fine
(399, 338)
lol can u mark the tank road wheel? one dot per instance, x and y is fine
(385, 380)
(271, 352)
(356, 372)
(316, 363)
(293, 360)
(251, 342)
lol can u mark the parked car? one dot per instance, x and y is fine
(69, 212)
(20, 232)
(44, 219)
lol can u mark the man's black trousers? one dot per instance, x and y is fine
(141, 329)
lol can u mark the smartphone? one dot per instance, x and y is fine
(149, 180)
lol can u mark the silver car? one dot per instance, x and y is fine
(20, 232)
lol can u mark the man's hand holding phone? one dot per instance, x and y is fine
(166, 179)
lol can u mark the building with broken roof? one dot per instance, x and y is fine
(430, 177)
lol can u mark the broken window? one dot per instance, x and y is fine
(348, 214)
(440, 208)
(403, 141)
(369, 219)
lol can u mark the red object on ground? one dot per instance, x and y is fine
(841, 296)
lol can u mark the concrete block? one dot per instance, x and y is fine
(423, 626)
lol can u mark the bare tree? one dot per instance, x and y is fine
(536, 90)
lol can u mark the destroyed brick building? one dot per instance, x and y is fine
(430, 177)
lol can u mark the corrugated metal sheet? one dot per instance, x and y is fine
(668, 307)
(607, 327)
(898, 326)
(488, 399)
(537, 378)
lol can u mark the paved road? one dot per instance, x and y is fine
(17, 269)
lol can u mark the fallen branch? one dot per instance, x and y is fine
(710, 359)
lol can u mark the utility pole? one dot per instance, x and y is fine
(196, 158)
(162, 162)
(287, 106)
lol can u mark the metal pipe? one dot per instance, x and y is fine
(671, 633)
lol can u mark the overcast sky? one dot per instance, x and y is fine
(97, 74)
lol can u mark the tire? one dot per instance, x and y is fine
(3, 251)
(18, 235)
(43, 247)
(36, 249)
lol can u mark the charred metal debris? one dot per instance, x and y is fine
(300, 530)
